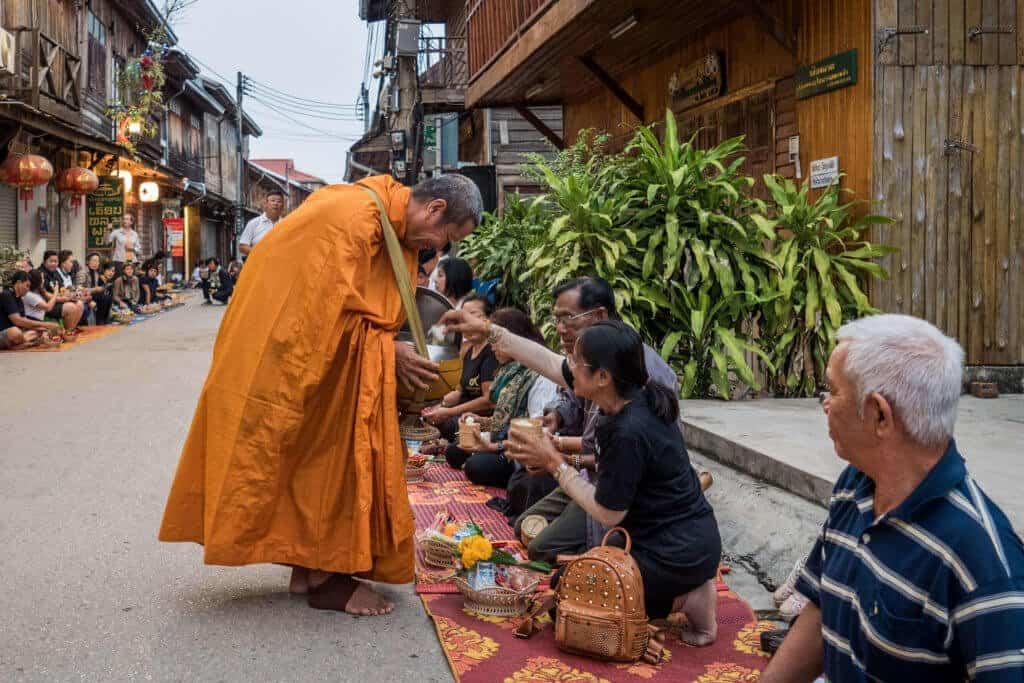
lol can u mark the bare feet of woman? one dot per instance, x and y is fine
(699, 607)
(343, 593)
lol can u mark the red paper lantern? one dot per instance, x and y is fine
(26, 172)
(78, 182)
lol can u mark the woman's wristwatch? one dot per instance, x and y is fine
(577, 461)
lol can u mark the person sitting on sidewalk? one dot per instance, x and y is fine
(916, 575)
(218, 284)
(474, 393)
(90, 280)
(645, 482)
(17, 330)
(126, 292)
(578, 304)
(516, 392)
(149, 287)
(455, 280)
(67, 309)
(38, 300)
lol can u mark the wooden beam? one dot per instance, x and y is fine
(773, 24)
(607, 81)
(541, 127)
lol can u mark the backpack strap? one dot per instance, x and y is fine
(405, 289)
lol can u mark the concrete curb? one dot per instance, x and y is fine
(757, 464)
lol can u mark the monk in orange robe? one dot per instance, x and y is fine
(294, 456)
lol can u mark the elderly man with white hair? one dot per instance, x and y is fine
(917, 575)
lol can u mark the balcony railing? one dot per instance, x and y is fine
(442, 62)
(494, 24)
(190, 167)
(46, 71)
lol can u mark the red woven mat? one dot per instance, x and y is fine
(483, 649)
(446, 488)
(85, 335)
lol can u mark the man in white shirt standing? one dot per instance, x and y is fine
(125, 240)
(257, 228)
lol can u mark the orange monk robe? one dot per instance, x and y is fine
(294, 455)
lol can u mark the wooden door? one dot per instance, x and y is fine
(948, 122)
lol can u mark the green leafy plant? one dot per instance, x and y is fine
(731, 289)
(820, 259)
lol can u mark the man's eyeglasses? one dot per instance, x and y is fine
(565, 319)
(573, 363)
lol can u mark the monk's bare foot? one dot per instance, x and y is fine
(343, 593)
(366, 602)
(317, 578)
(299, 584)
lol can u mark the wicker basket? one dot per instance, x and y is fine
(414, 431)
(437, 553)
(496, 601)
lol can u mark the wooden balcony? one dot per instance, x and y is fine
(444, 73)
(48, 75)
(540, 52)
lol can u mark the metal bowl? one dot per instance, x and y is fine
(432, 306)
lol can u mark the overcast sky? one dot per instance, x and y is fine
(313, 49)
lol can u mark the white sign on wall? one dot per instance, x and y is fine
(824, 172)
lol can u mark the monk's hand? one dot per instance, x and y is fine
(413, 370)
(458, 321)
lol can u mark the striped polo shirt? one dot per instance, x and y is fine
(931, 591)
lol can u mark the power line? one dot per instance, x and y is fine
(297, 99)
(268, 95)
(350, 118)
(274, 112)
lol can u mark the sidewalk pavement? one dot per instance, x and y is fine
(785, 442)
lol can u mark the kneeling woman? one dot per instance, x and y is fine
(645, 483)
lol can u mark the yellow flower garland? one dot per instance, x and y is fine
(475, 549)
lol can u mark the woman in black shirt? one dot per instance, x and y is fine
(479, 366)
(645, 483)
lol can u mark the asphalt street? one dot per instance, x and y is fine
(91, 437)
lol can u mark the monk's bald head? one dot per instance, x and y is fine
(442, 210)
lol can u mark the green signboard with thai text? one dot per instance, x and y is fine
(104, 209)
(831, 73)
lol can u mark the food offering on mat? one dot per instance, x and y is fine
(416, 467)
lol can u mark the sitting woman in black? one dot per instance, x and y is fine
(478, 368)
(645, 483)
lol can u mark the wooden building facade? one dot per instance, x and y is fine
(929, 130)
(58, 84)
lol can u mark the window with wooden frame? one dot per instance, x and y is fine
(96, 82)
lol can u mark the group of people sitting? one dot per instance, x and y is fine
(614, 455)
(217, 283)
(62, 295)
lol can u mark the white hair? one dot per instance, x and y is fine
(913, 365)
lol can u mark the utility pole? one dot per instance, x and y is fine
(240, 197)
(406, 51)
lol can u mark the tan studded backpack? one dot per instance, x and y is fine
(600, 602)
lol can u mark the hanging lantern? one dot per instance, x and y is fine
(135, 126)
(149, 192)
(78, 182)
(26, 172)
